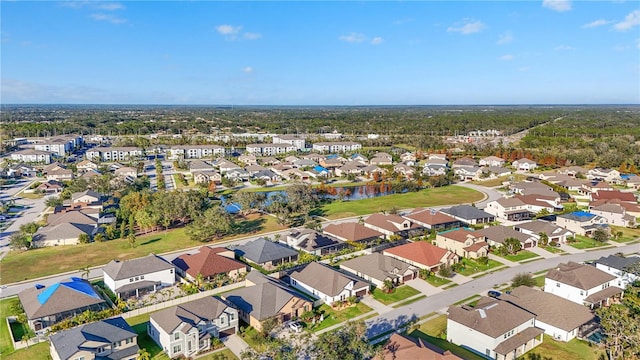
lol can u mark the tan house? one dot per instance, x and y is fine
(463, 242)
(390, 225)
(352, 231)
(378, 268)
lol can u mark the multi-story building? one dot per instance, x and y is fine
(194, 151)
(270, 149)
(337, 147)
(296, 140)
(32, 156)
(114, 153)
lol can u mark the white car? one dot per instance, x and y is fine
(295, 326)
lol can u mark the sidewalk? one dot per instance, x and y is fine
(235, 344)
(542, 252)
(570, 249)
(423, 286)
(503, 260)
(376, 305)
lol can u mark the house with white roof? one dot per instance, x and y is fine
(138, 276)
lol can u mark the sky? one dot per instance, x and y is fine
(320, 53)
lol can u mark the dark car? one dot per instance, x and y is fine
(494, 293)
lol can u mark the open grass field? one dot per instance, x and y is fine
(449, 195)
(628, 234)
(333, 317)
(572, 350)
(398, 294)
(35, 263)
(583, 242)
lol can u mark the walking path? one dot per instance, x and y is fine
(542, 252)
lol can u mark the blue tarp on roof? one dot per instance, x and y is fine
(75, 284)
(320, 169)
(581, 214)
(332, 156)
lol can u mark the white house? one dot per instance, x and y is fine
(328, 284)
(32, 156)
(615, 214)
(270, 149)
(336, 147)
(298, 141)
(524, 164)
(492, 161)
(495, 328)
(555, 233)
(134, 277)
(114, 153)
(608, 175)
(582, 284)
(194, 151)
(620, 267)
(187, 329)
(582, 223)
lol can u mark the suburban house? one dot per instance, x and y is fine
(469, 214)
(524, 164)
(592, 188)
(555, 233)
(492, 161)
(266, 253)
(314, 242)
(187, 329)
(328, 284)
(433, 219)
(496, 235)
(435, 169)
(532, 188)
(225, 165)
(50, 187)
(139, 276)
(621, 268)
(463, 242)
(60, 174)
(464, 162)
(126, 171)
(582, 284)
(560, 318)
(352, 231)
(47, 305)
(423, 255)
(467, 172)
(400, 347)
(391, 225)
(210, 262)
(110, 339)
(495, 328)
(378, 268)
(199, 165)
(523, 207)
(601, 174)
(205, 177)
(631, 208)
(582, 223)
(615, 214)
(65, 228)
(266, 298)
(492, 172)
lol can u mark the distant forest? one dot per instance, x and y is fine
(558, 135)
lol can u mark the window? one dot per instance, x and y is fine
(129, 340)
(557, 284)
(231, 316)
(176, 336)
(131, 280)
(141, 277)
(80, 358)
(137, 278)
(177, 349)
(171, 271)
(222, 320)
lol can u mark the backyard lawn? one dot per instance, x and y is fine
(448, 195)
(398, 294)
(471, 267)
(520, 256)
(432, 330)
(24, 265)
(572, 350)
(583, 242)
(5, 337)
(333, 317)
(34, 352)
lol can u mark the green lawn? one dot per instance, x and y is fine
(520, 256)
(6, 342)
(448, 195)
(554, 250)
(401, 304)
(437, 281)
(435, 327)
(333, 317)
(145, 341)
(583, 242)
(24, 265)
(32, 196)
(398, 294)
(438, 326)
(224, 354)
(34, 352)
(472, 267)
(539, 281)
(628, 234)
(572, 350)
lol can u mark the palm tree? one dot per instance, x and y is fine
(387, 286)
(143, 354)
(85, 272)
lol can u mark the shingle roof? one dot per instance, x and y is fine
(430, 217)
(420, 252)
(191, 313)
(262, 250)
(388, 222)
(312, 240)
(550, 309)
(490, 316)
(581, 276)
(106, 332)
(402, 347)
(261, 301)
(118, 270)
(500, 233)
(614, 194)
(351, 231)
(460, 235)
(538, 226)
(326, 279)
(207, 262)
(60, 297)
(618, 262)
(75, 217)
(378, 266)
(467, 212)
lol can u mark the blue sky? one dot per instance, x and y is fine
(321, 53)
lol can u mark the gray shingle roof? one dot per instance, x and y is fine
(490, 317)
(378, 266)
(326, 279)
(261, 251)
(618, 262)
(581, 276)
(467, 212)
(118, 270)
(66, 343)
(58, 298)
(261, 301)
(191, 313)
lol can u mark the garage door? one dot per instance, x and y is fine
(361, 293)
(227, 332)
(407, 278)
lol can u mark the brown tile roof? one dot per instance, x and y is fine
(459, 235)
(490, 316)
(207, 262)
(430, 217)
(581, 276)
(401, 347)
(615, 194)
(420, 252)
(518, 340)
(603, 294)
(389, 222)
(351, 231)
(477, 246)
(500, 233)
(550, 309)
(628, 206)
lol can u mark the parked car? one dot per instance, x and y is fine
(494, 293)
(295, 326)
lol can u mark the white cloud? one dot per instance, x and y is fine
(247, 70)
(631, 20)
(563, 48)
(557, 5)
(108, 18)
(228, 29)
(467, 27)
(599, 22)
(353, 37)
(505, 38)
(507, 57)
(110, 6)
(377, 40)
(251, 36)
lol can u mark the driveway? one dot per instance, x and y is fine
(376, 305)
(423, 286)
(235, 344)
